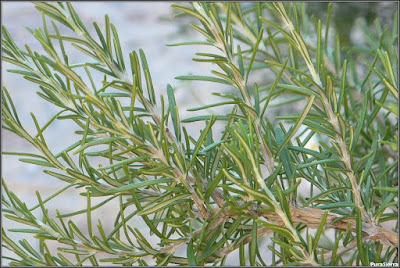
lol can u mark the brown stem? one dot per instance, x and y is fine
(346, 159)
(312, 218)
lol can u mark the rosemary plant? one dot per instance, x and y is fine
(216, 197)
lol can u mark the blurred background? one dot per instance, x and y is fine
(149, 26)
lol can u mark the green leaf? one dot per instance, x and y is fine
(272, 90)
(359, 237)
(297, 125)
(308, 151)
(211, 146)
(97, 142)
(29, 231)
(201, 140)
(60, 176)
(319, 231)
(190, 43)
(190, 254)
(229, 232)
(204, 118)
(271, 178)
(37, 162)
(298, 89)
(342, 87)
(318, 163)
(125, 162)
(253, 244)
(337, 205)
(284, 155)
(191, 12)
(292, 251)
(360, 121)
(214, 183)
(320, 58)
(253, 54)
(283, 202)
(372, 158)
(139, 185)
(164, 204)
(281, 230)
(387, 189)
(324, 194)
(376, 109)
(320, 128)
(174, 112)
(77, 232)
(74, 251)
(204, 78)
(118, 49)
(211, 105)
(248, 190)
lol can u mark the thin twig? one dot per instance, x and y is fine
(332, 117)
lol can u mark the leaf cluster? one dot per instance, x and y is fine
(214, 196)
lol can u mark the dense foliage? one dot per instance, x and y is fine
(203, 197)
